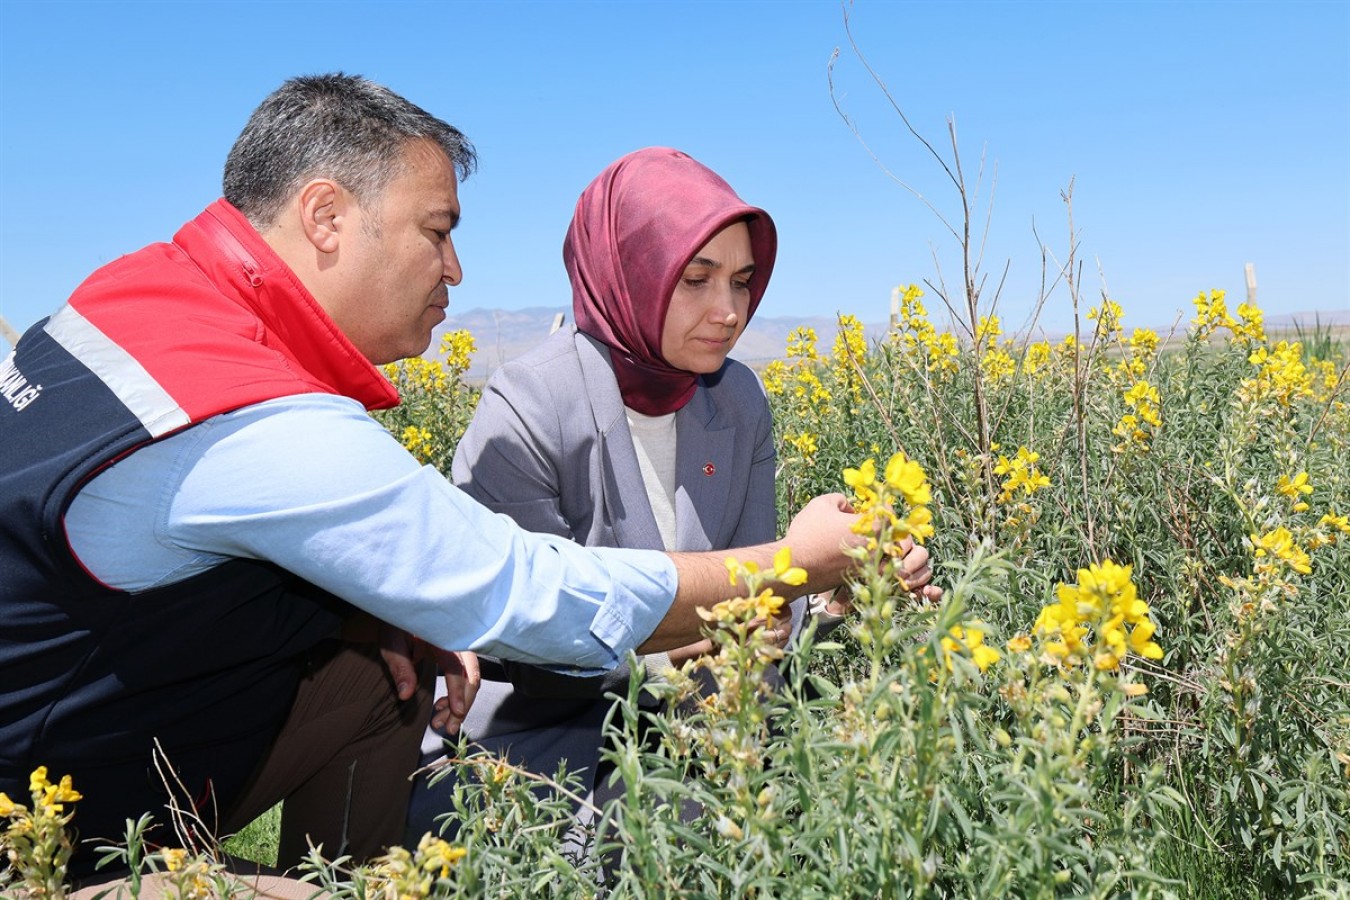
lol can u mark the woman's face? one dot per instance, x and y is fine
(708, 309)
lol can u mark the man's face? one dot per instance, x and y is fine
(400, 259)
(707, 311)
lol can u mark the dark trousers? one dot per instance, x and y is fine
(342, 761)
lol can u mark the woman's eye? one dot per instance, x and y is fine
(741, 285)
(696, 282)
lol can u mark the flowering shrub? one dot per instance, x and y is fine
(436, 403)
(1134, 685)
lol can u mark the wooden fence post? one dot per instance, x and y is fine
(7, 333)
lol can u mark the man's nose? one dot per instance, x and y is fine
(452, 274)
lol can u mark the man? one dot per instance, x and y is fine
(194, 505)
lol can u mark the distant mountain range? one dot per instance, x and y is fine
(503, 334)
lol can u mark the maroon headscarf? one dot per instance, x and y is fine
(635, 228)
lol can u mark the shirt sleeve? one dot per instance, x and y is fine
(316, 486)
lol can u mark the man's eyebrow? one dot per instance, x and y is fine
(448, 213)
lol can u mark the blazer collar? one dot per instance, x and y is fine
(706, 444)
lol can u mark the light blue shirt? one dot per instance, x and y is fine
(316, 486)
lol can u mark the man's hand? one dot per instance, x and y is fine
(402, 651)
(462, 679)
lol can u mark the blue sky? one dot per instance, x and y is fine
(1200, 136)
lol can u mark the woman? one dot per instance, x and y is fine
(631, 429)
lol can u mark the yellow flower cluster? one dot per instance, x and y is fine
(801, 344)
(1211, 314)
(968, 640)
(1104, 602)
(1295, 489)
(1108, 317)
(850, 354)
(432, 375)
(987, 332)
(875, 501)
(996, 364)
(774, 377)
(417, 372)
(1136, 429)
(1328, 528)
(1281, 375)
(764, 605)
(48, 799)
(798, 381)
(1278, 548)
(35, 844)
(1036, 360)
(192, 876)
(936, 352)
(404, 875)
(419, 442)
(1137, 354)
(457, 349)
(1021, 473)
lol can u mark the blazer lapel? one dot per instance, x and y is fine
(703, 463)
(623, 499)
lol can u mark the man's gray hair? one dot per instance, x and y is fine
(337, 126)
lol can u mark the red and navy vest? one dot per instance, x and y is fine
(92, 678)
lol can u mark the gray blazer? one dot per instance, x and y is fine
(549, 446)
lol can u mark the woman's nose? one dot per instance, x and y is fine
(723, 311)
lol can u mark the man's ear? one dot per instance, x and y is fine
(323, 206)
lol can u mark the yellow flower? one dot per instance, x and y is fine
(1104, 599)
(1141, 640)
(906, 476)
(862, 479)
(969, 639)
(767, 604)
(773, 376)
(1292, 487)
(987, 332)
(918, 524)
(1144, 341)
(785, 571)
(1279, 544)
(801, 343)
(8, 807)
(1108, 317)
(435, 853)
(1022, 474)
(1037, 358)
(1337, 523)
(458, 348)
(173, 858)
